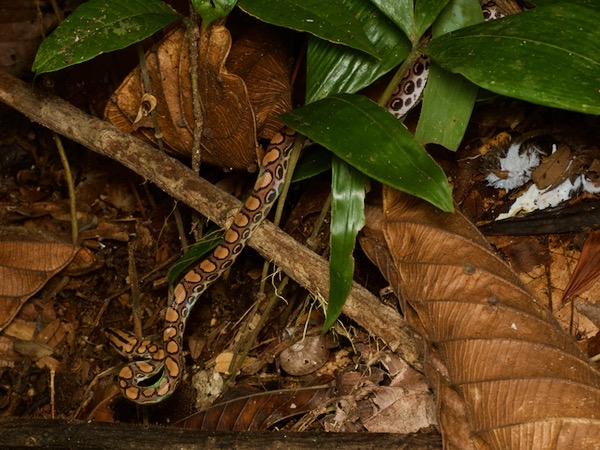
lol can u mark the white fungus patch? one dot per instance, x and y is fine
(533, 198)
(516, 167)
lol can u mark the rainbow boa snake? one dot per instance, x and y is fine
(137, 380)
(157, 368)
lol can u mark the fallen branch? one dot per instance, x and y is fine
(36, 433)
(305, 267)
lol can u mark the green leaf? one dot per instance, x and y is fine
(194, 253)
(448, 101)
(426, 12)
(401, 13)
(314, 160)
(413, 19)
(211, 10)
(101, 26)
(457, 14)
(333, 69)
(347, 218)
(548, 55)
(330, 20)
(369, 138)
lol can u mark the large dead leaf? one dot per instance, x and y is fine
(507, 375)
(28, 259)
(261, 60)
(228, 129)
(257, 411)
(228, 125)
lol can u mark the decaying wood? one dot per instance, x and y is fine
(85, 436)
(304, 266)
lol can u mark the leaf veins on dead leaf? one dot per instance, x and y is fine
(489, 338)
(229, 104)
(28, 259)
(249, 411)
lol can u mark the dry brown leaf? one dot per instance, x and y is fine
(523, 380)
(228, 126)
(28, 259)
(404, 406)
(588, 268)
(261, 60)
(552, 171)
(57, 210)
(396, 409)
(593, 172)
(8, 356)
(256, 411)
(52, 334)
(20, 329)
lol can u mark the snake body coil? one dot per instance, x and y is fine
(157, 370)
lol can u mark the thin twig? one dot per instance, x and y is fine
(193, 35)
(70, 187)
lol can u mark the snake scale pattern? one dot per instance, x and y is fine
(156, 369)
(412, 85)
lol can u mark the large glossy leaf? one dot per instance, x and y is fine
(448, 99)
(369, 138)
(401, 13)
(330, 20)
(549, 55)
(413, 19)
(590, 3)
(314, 160)
(428, 11)
(333, 69)
(348, 187)
(101, 26)
(457, 14)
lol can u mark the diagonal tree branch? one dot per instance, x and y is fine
(304, 266)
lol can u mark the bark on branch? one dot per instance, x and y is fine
(302, 265)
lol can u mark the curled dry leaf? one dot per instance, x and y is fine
(507, 375)
(228, 129)
(395, 409)
(552, 171)
(28, 259)
(261, 60)
(257, 411)
(588, 267)
(227, 125)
